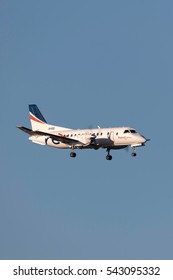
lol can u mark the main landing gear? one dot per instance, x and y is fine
(73, 154)
(108, 157)
(133, 151)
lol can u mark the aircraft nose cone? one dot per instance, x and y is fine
(144, 140)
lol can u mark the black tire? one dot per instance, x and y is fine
(108, 157)
(72, 154)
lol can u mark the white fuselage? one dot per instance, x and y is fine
(60, 137)
(113, 138)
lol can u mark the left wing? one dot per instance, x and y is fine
(60, 138)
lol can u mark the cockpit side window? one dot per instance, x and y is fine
(126, 131)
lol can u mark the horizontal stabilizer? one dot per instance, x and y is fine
(26, 130)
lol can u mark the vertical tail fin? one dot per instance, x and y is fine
(36, 117)
(38, 122)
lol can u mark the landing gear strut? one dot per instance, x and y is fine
(133, 151)
(72, 154)
(108, 157)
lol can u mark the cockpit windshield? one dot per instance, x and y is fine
(130, 131)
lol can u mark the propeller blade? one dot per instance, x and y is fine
(127, 149)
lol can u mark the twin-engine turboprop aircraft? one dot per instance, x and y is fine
(66, 138)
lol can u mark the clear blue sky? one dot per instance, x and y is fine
(86, 63)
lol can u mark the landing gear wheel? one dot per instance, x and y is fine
(108, 157)
(133, 152)
(73, 154)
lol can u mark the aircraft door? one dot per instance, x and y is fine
(112, 136)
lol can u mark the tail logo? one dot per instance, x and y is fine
(34, 118)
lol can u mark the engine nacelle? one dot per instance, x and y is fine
(88, 139)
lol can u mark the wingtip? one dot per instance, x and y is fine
(19, 126)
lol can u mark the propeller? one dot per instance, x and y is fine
(127, 149)
(90, 126)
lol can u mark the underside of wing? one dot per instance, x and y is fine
(60, 138)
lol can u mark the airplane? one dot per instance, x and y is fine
(66, 138)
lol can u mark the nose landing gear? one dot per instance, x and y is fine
(133, 151)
